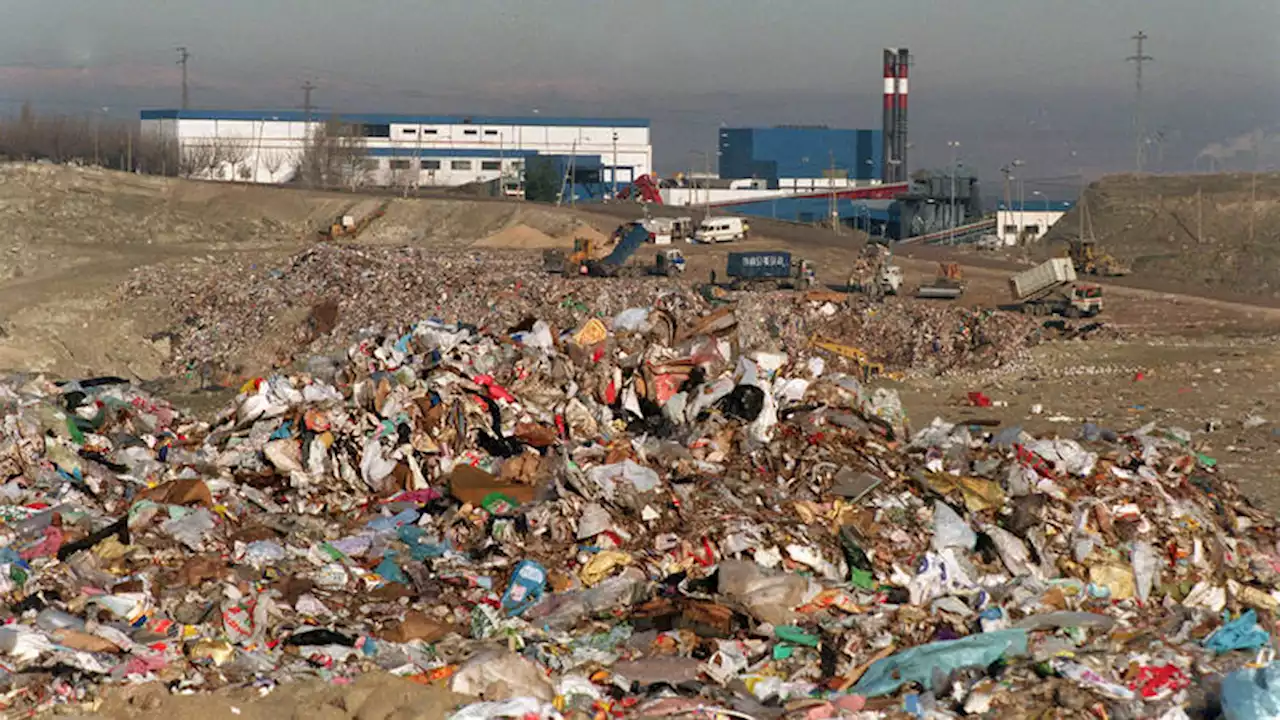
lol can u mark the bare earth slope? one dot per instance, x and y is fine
(1216, 232)
(73, 235)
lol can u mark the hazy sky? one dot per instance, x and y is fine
(1002, 76)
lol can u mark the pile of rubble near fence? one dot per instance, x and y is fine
(636, 514)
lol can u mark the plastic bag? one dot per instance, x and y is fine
(1252, 694)
(525, 590)
(771, 598)
(1243, 633)
(920, 664)
(950, 530)
(1144, 568)
(640, 477)
(631, 319)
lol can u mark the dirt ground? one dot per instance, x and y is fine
(1206, 364)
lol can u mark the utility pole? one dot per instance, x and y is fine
(1138, 123)
(1199, 216)
(833, 208)
(951, 209)
(183, 56)
(614, 171)
(307, 87)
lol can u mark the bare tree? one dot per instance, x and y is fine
(234, 152)
(195, 158)
(335, 155)
(272, 161)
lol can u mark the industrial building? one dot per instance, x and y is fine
(793, 157)
(1019, 223)
(404, 150)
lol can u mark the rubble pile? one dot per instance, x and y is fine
(330, 292)
(904, 334)
(630, 516)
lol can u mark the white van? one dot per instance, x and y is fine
(721, 229)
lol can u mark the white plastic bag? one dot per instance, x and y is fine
(950, 530)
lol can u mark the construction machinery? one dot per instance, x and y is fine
(1089, 260)
(589, 258)
(1050, 289)
(867, 368)
(643, 189)
(947, 285)
(766, 270)
(668, 263)
(354, 220)
(874, 272)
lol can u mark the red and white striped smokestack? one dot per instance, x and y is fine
(900, 131)
(890, 127)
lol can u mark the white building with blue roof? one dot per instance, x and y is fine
(266, 146)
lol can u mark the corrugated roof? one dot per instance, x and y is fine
(387, 119)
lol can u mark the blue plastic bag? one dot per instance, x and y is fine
(918, 664)
(389, 570)
(525, 590)
(1252, 694)
(1243, 633)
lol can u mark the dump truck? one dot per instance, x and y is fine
(1089, 260)
(948, 285)
(586, 258)
(1050, 289)
(767, 269)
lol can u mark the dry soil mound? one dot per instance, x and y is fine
(1197, 232)
(521, 237)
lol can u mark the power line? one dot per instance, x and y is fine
(183, 56)
(1138, 125)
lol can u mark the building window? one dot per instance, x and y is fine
(490, 132)
(409, 131)
(461, 165)
(1033, 229)
(429, 131)
(375, 131)
(430, 164)
(1010, 229)
(491, 165)
(469, 132)
(400, 164)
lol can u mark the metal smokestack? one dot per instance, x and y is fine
(900, 131)
(889, 132)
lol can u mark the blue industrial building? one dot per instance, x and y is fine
(782, 153)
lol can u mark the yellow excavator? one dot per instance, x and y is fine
(1089, 260)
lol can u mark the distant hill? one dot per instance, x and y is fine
(1220, 232)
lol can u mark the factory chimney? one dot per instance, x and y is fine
(900, 132)
(890, 128)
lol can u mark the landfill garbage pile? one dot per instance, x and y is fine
(905, 334)
(629, 518)
(330, 292)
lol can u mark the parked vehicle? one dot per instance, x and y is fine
(948, 285)
(769, 269)
(669, 262)
(1050, 289)
(721, 229)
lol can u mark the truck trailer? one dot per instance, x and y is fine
(766, 269)
(1050, 289)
